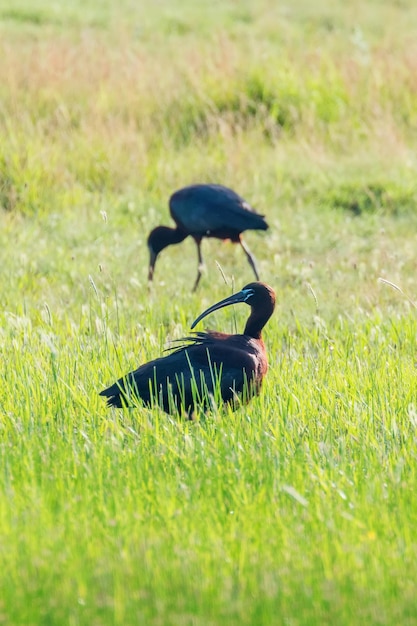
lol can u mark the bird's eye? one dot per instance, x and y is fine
(248, 293)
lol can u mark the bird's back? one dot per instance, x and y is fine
(212, 365)
(213, 210)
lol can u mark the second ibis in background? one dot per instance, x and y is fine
(206, 211)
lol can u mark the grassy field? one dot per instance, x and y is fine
(301, 508)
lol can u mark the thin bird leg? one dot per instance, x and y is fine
(250, 257)
(200, 263)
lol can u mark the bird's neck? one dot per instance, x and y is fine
(163, 236)
(174, 235)
(256, 322)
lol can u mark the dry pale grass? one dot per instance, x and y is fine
(89, 83)
(86, 111)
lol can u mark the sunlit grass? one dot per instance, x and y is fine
(300, 507)
(69, 94)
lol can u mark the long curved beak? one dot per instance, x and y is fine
(152, 262)
(240, 296)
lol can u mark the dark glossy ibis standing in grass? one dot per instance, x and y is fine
(206, 211)
(212, 364)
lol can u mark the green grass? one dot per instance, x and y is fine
(299, 508)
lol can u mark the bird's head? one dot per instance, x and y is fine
(158, 239)
(259, 296)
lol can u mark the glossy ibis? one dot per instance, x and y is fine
(206, 211)
(210, 364)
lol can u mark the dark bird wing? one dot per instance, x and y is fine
(189, 375)
(207, 209)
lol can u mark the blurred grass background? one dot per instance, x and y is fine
(300, 508)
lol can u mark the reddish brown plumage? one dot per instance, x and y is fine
(210, 364)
